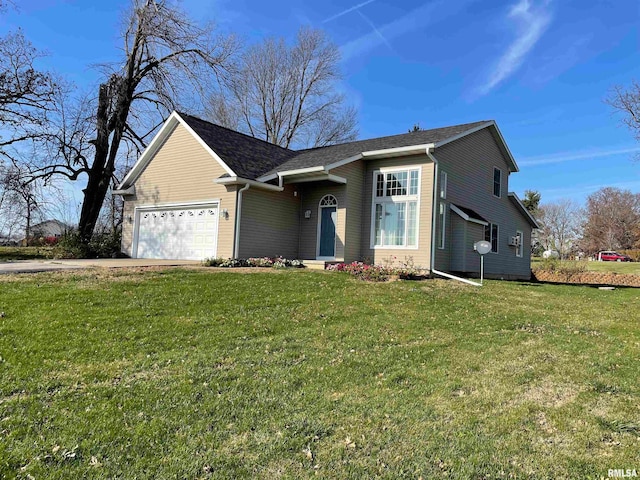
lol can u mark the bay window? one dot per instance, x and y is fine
(395, 208)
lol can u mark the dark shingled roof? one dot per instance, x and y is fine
(251, 158)
(248, 157)
(471, 213)
(334, 153)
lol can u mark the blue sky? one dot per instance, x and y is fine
(541, 69)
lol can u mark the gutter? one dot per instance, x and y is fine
(236, 244)
(246, 181)
(433, 225)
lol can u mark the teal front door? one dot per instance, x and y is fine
(327, 241)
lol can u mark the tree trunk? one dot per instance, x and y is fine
(98, 183)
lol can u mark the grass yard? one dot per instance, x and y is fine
(24, 253)
(207, 374)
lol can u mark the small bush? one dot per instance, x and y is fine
(564, 268)
(102, 245)
(265, 262)
(363, 271)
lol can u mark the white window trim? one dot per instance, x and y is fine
(493, 182)
(372, 237)
(335, 236)
(520, 246)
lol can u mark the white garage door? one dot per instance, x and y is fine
(185, 233)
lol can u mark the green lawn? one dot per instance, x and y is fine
(24, 253)
(207, 374)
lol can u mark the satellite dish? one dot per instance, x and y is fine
(482, 247)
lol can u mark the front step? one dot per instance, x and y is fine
(314, 264)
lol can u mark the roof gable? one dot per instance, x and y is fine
(247, 156)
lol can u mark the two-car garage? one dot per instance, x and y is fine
(187, 232)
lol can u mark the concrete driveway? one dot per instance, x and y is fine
(33, 266)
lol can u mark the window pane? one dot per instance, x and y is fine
(497, 177)
(380, 185)
(494, 238)
(442, 225)
(412, 224)
(443, 184)
(378, 225)
(413, 186)
(394, 223)
(396, 183)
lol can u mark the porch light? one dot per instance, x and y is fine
(307, 214)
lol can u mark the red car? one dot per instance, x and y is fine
(610, 256)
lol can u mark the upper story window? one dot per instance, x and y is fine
(497, 182)
(395, 208)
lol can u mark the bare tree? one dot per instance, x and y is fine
(21, 201)
(627, 102)
(26, 93)
(165, 56)
(560, 224)
(612, 220)
(287, 95)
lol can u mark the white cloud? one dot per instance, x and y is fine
(410, 22)
(531, 23)
(573, 156)
(348, 10)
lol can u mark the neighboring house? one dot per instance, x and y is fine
(200, 190)
(48, 229)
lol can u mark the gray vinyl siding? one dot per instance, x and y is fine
(311, 194)
(269, 223)
(354, 173)
(421, 255)
(469, 163)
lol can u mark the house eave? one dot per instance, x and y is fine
(235, 180)
(466, 217)
(131, 190)
(513, 166)
(525, 213)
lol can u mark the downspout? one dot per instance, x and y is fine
(433, 226)
(236, 246)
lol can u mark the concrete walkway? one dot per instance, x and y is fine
(33, 266)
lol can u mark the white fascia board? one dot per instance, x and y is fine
(205, 146)
(144, 159)
(399, 151)
(301, 171)
(319, 178)
(245, 181)
(288, 173)
(516, 199)
(465, 216)
(346, 161)
(127, 191)
(267, 178)
(169, 126)
(464, 134)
